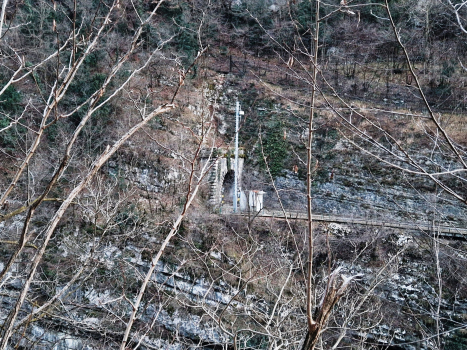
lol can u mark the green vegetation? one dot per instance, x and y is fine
(275, 149)
(245, 273)
(9, 109)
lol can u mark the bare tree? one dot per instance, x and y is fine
(438, 155)
(67, 109)
(109, 85)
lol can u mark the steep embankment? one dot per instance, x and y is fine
(225, 278)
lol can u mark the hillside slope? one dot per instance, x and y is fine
(106, 236)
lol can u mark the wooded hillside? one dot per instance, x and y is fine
(113, 115)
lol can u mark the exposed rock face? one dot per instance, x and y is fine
(352, 185)
(344, 184)
(407, 285)
(408, 289)
(74, 331)
(147, 178)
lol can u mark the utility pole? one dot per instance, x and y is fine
(236, 193)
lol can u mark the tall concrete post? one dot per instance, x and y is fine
(237, 109)
(236, 193)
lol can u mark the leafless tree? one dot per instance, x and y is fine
(65, 145)
(438, 155)
(56, 74)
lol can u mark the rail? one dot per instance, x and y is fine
(441, 229)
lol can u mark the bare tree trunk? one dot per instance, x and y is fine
(309, 179)
(5, 2)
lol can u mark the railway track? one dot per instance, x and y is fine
(443, 230)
